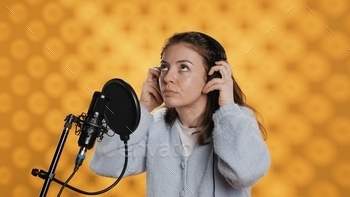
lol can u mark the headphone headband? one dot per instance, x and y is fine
(220, 51)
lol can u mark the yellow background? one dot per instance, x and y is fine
(291, 58)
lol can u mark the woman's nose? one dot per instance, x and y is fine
(169, 76)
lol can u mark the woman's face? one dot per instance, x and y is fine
(182, 78)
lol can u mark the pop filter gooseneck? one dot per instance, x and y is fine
(123, 110)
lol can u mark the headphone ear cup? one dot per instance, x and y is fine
(216, 74)
(214, 94)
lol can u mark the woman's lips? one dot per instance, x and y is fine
(169, 92)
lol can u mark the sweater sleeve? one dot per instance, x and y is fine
(243, 157)
(109, 155)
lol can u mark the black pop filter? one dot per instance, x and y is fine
(123, 110)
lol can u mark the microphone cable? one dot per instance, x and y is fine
(65, 184)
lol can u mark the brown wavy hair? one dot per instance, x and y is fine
(204, 47)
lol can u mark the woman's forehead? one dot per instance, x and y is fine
(180, 49)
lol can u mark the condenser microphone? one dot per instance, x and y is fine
(92, 125)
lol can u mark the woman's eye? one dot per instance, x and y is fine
(184, 68)
(163, 67)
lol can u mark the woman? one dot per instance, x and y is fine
(206, 141)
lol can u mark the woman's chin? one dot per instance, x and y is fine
(170, 104)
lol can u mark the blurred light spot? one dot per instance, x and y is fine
(34, 2)
(280, 149)
(4, 31)
(67, 3)
(88, 11)
(71, 67)
(21, 120)
(5, 67)
(57, 48)
(87, 49)
(334, 8)
(108, 67)
(281, 185)
(339, 130)
(294, 87)
(19, 49)
(244, 8)
(91, 82)
(298, 130)
(334, 45)
(70, 31)
(161, 9)
(37, 103)
(293, 46)
(39, 30)
(21, 157)
(6, 102)
(274, 69)
(301, 171)
(321, 151)
(73, 103)
(6, 175)
(6, 141)
(20, 84)
(337, 87)
(105, 27)
(341, 173)
(318, 108)
(54, 121)
(313, 27)
(54, 85)
(38, 140)
(37, 67)
(21, 191)
(274, 107)
(20, 13)
(324, 188)
(52, 12)
(347, 21)
(314, 66)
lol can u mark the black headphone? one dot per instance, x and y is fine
(220, 55)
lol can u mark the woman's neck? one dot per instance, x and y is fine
(190, 116)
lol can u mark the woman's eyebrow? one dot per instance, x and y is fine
(179, 61)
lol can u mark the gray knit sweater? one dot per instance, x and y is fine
(235, 160)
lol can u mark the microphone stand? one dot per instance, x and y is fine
(51, 173)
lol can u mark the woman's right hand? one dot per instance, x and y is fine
(150, 95)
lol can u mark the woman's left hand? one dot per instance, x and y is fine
(224, 84)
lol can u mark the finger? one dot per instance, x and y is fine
(156, 94)
(224, 63)
(153, 85)
(225, 74)
(216, 69)
(227, 66)
(153, 74)
(208, 89)
(212, 85)
(151, 95)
